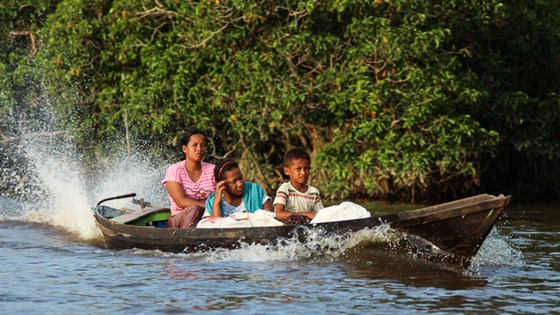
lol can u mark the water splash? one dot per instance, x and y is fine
(319, 246)
(62, 178)
(70, 190)
(497, 250)
(366, 246)
(50, 183)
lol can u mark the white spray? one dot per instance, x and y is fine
(53, 186)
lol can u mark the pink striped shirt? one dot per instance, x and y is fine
(199, 190)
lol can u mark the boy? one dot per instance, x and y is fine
(295, 196)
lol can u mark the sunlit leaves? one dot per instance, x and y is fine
(391, 97)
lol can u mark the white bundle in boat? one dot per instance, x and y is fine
(235, 220)
(342, 212)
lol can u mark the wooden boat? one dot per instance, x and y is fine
(450, 233)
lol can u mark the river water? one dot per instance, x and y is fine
(53, 260)
(49, 268)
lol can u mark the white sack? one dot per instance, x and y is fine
(236, 220)
(264, 218)
(342, 212)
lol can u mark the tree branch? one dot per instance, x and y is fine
(204, 41)
(31, 35)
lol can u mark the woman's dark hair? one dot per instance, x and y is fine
(223, 166)
(186, 137)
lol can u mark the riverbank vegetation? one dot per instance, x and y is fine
(401, 100)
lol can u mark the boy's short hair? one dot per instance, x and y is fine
(295, 154)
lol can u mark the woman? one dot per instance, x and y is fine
(233, 194)
(189, 182)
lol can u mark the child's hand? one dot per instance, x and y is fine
(220, 187)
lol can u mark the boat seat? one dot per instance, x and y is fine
(143, 217)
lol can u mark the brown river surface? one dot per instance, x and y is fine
(52, 262)
(52, 259)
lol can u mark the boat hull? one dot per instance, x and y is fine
(454, 231)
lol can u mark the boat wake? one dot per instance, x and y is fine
(318, 247)
(376, 247)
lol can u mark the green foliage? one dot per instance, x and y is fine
(395, 98)
(20, 22)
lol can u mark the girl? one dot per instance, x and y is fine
(233, 194)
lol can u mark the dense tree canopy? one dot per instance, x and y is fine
(404, 98)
